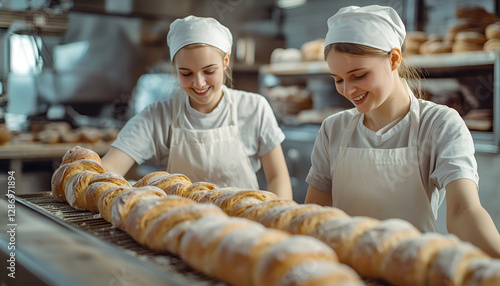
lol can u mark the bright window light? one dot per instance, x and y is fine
(24, 56)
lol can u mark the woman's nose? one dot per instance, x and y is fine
(199, 81)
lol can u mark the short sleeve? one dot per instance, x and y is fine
(319, 175)
(453, 153)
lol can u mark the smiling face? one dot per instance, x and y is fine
(367, 81)
(201, 75)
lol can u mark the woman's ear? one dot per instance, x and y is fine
(395, 58)
(226, 60)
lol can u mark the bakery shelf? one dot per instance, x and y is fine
(436, 66)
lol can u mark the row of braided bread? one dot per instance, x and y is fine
(393, 250)
(202, 234)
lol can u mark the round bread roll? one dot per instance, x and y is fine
(459, 26)
(460, 46)
(70, 137)
(451, 263)
(343, 234)
(409, 262)
(110, 134)
(166, 181)
(472, 11)
(194, 188)
(241, 249)
(178, 189)
(471, 37)
(324, 273)
(125, 201)
(111, 177)
(66, 171)
(94, 193)
(49, 136)
(78, 153)
(76, 188)
(280, 219)
(307, 222)
(257, 211)
(416, 36)
(234, 203)
(483, 272)
(373, 246)
(106, 201)
(492, 31)
(313, 50)
(143, 181)
(145, 211)
(202, 238)
(89, 134)
(160, 226)
(285, 255)
(493, 44)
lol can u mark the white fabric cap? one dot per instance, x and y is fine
(374, 26)
(198, 30)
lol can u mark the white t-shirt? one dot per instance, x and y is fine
(146, 136)
(445, 147)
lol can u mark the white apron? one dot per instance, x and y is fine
(214, 155)
(382, 183)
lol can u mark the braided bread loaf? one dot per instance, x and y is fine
(267, 240)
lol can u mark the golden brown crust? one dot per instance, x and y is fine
(64, 172)
(125, 201)
(241, 249)
(194, 189)
(76, 189)
(409, 262)
(106, 201)
(142, 181)
(492, 44)
(210, 196)
(289, 253)
(280, 219)
(342, 234)
(166, 181)
(200, 241)
(255, 212)
(374, 246)
(94, 193)
(145, 211)
(492, 31)
(178, 189)
(78, 153)
(234, 203)
(111, 177)
(159, 227)
(307, 222)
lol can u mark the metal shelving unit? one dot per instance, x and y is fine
(435, 66)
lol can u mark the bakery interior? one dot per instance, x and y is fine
(74, 71)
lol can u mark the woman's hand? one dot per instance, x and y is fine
(117, 161)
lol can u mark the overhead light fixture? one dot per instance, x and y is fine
(287, 4)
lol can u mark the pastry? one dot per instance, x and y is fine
(94, 193)
(78, 153)
(106, 201)
(234, 203)
(125, 201)
(160, 226)
(410, 260)
(145, 211)
(165, 181)
(307, 222)
(195, 188)
(492, 31)
(374, 245)
(76, 188)
(343, 234)
(178, 189)
(257, 211)
(143, 181)
(111, 177)
(280, 218)
(64, 172)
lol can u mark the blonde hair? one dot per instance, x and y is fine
(228, 73)
(411, 74)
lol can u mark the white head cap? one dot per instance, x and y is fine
(374, 26)
(198, 30)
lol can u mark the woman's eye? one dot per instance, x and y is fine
(339, 81)
(209, 71)
(185, 74)
(361, 75)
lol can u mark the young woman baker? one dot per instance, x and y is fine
(390, 156)
(207, 131)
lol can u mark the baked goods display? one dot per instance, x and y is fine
(204, 235)
(266, 240)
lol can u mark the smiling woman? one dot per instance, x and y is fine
(207, 131)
